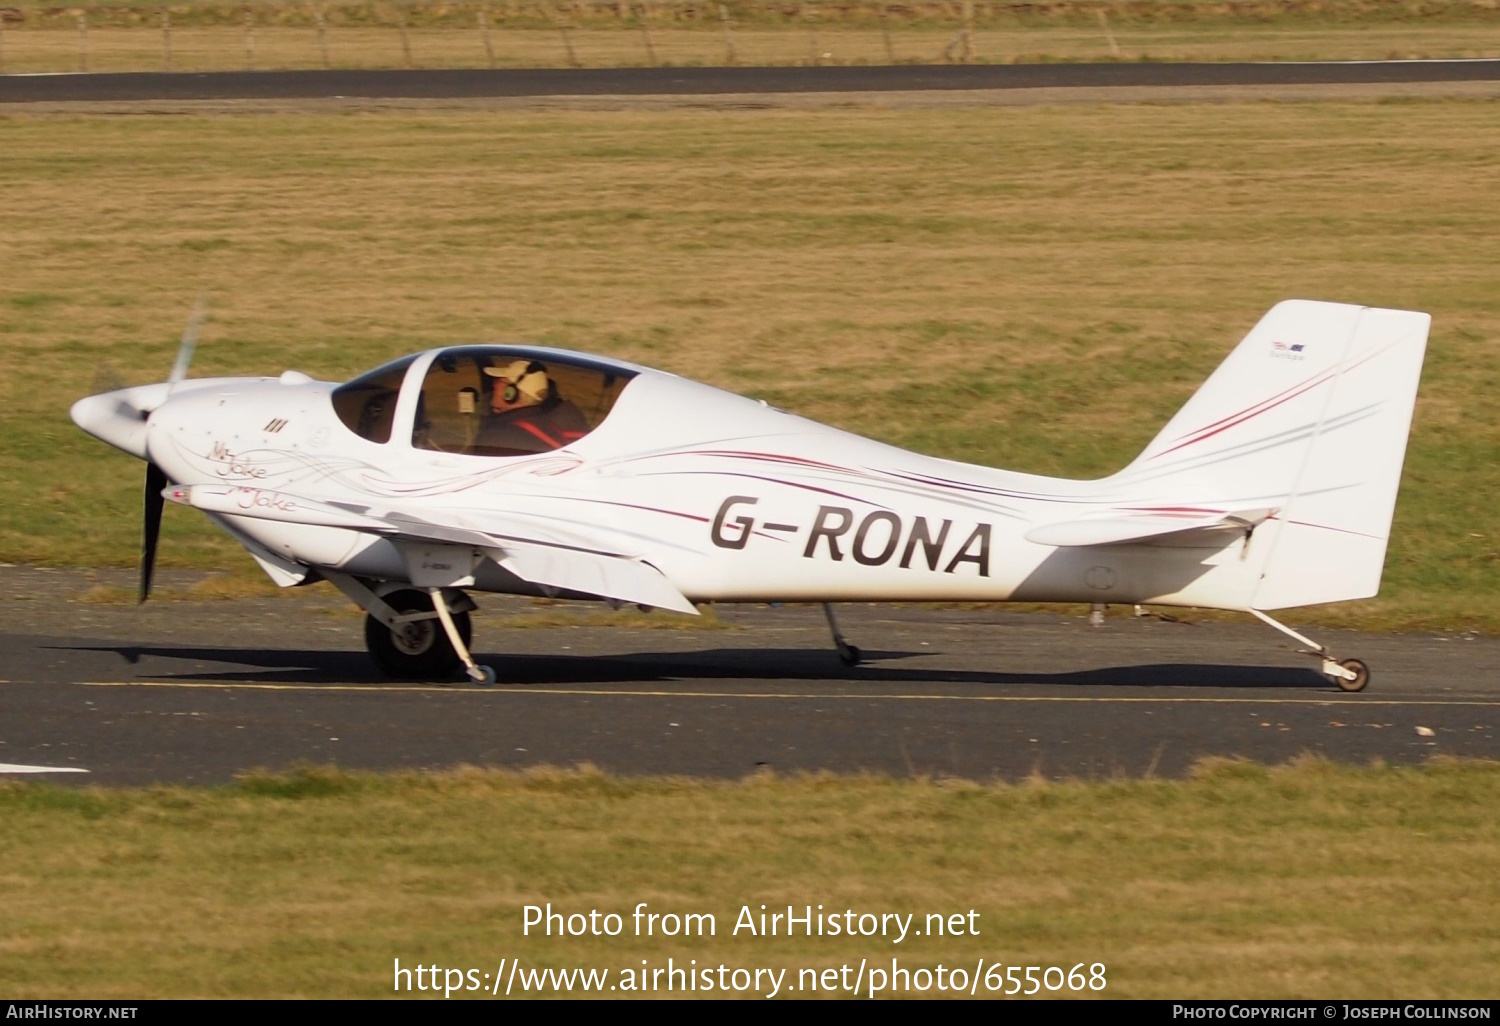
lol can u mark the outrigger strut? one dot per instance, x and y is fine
(481, 675)
(849, 654)
(1348, 674)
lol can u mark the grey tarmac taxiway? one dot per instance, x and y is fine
(199, 691)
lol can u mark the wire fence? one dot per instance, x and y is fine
(133, 37)
(122, 35)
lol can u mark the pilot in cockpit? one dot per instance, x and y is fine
(526, 412)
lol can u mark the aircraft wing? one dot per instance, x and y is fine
(1123, 527)
(591, 573)
(569, 563)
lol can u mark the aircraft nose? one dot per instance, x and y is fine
(119, 417)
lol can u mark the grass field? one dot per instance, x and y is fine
(1305, 880)
(1036, 287)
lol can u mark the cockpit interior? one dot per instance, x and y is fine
(494, 401)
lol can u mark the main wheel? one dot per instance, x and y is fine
(418, 650)
(1361, 675)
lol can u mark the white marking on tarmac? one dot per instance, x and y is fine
(523, 690)
(11, 767)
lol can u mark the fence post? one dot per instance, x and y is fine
(1114, 48)
(810, 17)
(484, 34)
(562, 30)
(322, 34)
(249, 40)
(83, 41)
(405, 36)
(958, 48)
(645, 20)
(728, 36)
(166, 40)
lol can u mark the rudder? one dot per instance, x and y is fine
(1309, 415)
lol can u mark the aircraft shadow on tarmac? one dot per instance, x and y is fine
(763, 664)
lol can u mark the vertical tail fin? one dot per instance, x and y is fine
(1308, 416)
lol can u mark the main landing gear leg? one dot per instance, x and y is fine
(849, 655)
(481, 675)
(414, 634)
(1348, 674)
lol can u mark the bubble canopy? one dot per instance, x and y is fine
(488, 401)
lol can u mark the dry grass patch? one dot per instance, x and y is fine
(216, 587)
(1245, 881)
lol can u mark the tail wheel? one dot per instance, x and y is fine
(1361, 675)
(418, 650)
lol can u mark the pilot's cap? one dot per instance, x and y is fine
(527, 375)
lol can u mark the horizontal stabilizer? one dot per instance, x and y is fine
(1310, 415)
(1122, 527)
(571, 564)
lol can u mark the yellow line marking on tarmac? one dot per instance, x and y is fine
(522, 689)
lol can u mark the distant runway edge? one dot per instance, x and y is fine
(461, 83)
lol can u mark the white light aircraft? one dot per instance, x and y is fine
(1272, 487)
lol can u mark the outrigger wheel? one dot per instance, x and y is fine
(418, 649)
(1361, 675)
(1348, 674)
(849, 655)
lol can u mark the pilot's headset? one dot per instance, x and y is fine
(522, 377)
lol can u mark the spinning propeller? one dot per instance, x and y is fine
(156, 478)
